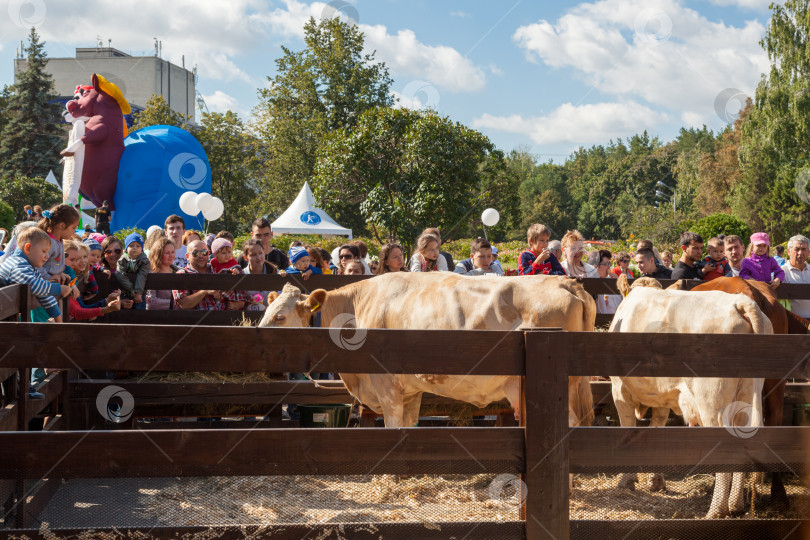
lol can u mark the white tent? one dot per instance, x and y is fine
(303, 217)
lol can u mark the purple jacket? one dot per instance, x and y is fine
(760, 268)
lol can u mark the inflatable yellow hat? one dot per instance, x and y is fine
(113, 91)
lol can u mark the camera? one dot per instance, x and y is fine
(700, 264)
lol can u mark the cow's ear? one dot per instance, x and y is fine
(96, 83)
(271, 297)
(315, 300)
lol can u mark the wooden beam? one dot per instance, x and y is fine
(257, 452)
(693, 450)
(546, 421)
(181, 317)
(10, 301)
(692, 529)
(439, 530)
(52, 387)
(272, 350)
(253, 282)
(689, 355)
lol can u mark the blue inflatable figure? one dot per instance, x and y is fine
(159, 164)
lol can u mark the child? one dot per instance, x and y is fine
(253, 251)
(59, 223)
(33, 250)
(622, 265)
(538, 259)
(132, 270)
(94, 256)
(354, 268)
(716, 257)
(77, 256)
(481, 260)
(77, 309)
(299, 263)
(759, 265)
(427, 257)
(223, 261)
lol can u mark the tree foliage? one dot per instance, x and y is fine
(158, 113)
(19, 190)
(31, 134)
(323, 88)
(406, 170)
(7, 219)
(717, 224)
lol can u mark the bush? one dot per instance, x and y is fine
(18, 191)
(717, 224)
(7, 220)
(123, 233)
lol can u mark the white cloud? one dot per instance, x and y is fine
(404, 102)
(579, 124)
(655, 50)
(460, 14)
(402, 52)
(759, 5)
(220, 102)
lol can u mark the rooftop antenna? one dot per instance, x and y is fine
(156, 47)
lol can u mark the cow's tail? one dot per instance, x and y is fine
(584, 402)
(755, 418)
(588, 304)
(746, 307)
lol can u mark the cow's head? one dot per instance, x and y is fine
(291, 308)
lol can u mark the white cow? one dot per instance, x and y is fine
(448, 301)
(703, 401)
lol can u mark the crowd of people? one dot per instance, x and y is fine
(101, 274)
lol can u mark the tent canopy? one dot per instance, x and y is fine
(303, 217)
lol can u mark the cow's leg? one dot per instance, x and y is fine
(722, 487)
(626, 409)
(410, 410)
(659, 418)
(773, 402)
(736, 500)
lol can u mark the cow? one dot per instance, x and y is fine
(704, 401)
(411, 300)
(783, 322)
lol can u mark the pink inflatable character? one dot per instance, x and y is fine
(103, 139)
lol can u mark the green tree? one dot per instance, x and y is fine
(158, 113)
(31, 135)
(17, 191)
(717, 224)
(325, 87)
(7, 220)
(234, 158)
(775, 138)
(404, 170)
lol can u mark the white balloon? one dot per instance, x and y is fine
(188, 203)
(204, 201)
(214, 211)
(490, 217)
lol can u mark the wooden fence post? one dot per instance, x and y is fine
(546, 421)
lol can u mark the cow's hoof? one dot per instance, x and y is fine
(736, 512)
(657, 483)
(716, 514)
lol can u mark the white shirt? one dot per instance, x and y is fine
(590, 271)
(735, 272)
(794, 275)
(180, 260)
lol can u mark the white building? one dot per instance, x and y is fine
(138, 77)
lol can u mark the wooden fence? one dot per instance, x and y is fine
(542, 451)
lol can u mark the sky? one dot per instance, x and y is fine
(540, 76)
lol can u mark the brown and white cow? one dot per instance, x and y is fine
(704, 401)
(444, 301)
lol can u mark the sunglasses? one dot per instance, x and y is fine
(117, 251)
(347, 256)
(624, 262)
(198, 252)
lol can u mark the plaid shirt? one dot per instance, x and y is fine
(208, 302)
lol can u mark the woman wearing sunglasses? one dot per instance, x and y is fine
(111, 251)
